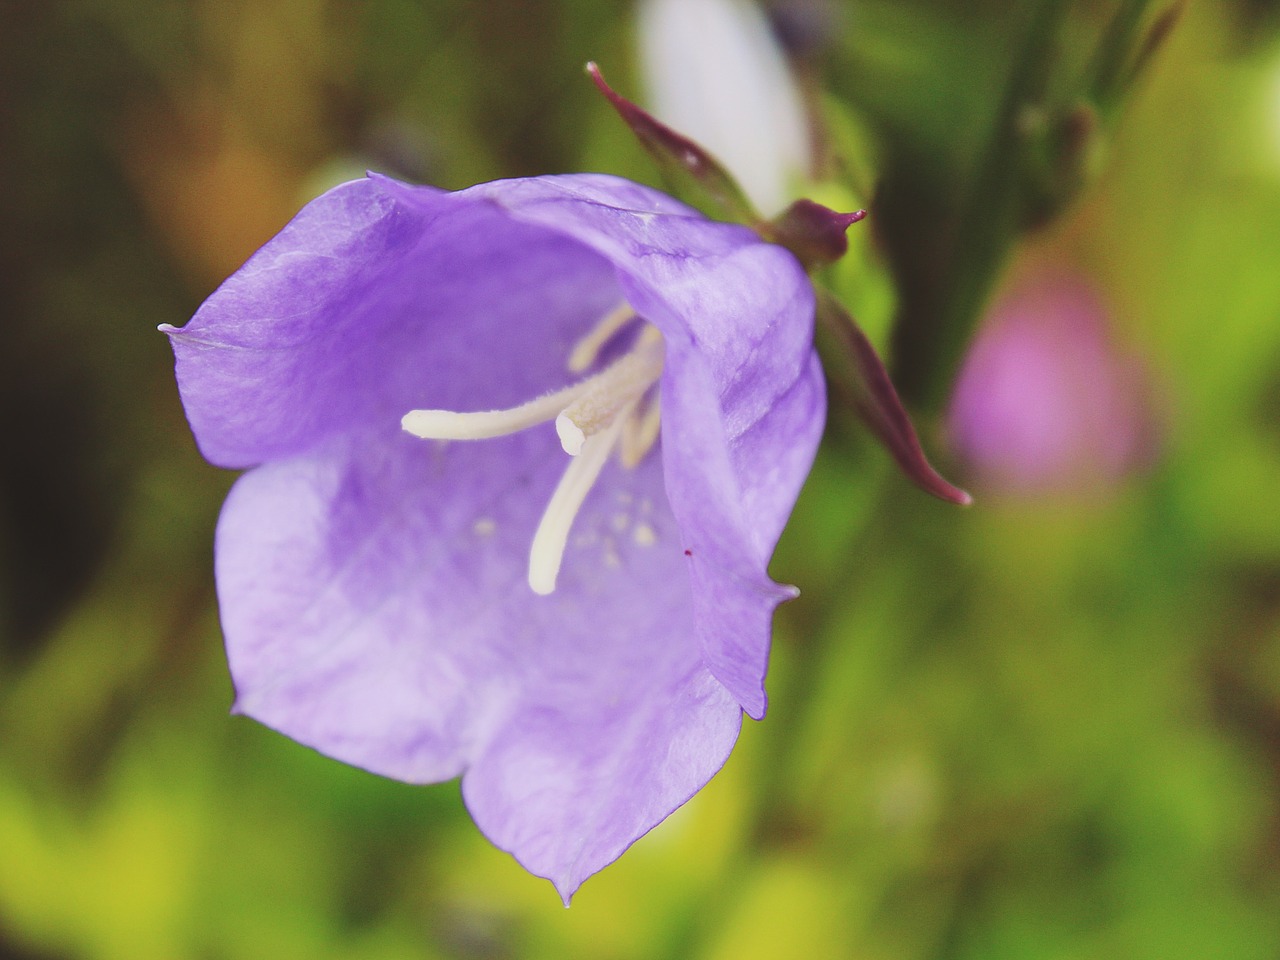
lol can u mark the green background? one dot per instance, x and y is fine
(1036, 728)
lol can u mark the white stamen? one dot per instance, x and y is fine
(641, 433)
(587, 350)
(547, 551)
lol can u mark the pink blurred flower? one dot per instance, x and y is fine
(1045, 402)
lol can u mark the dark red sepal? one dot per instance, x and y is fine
(859, 379)
(814, 233)
(693, 173)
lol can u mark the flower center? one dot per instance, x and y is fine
(616, 407)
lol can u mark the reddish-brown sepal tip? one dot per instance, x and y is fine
(860, 379)
(693, 173)
(814, 233)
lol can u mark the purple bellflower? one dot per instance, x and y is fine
(519, 457)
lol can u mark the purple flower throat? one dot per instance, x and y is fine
(616, 408)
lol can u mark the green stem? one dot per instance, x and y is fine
(1113, 58)
(987, 223)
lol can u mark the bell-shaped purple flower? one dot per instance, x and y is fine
(572, 617)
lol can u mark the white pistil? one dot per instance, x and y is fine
(484, 425)
(547, 552)
(605, 395)
(587, 350)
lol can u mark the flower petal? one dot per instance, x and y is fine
(375, 607)
(567, 794)
(329, 326)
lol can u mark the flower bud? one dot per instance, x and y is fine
(1045, 402)
(715, 72)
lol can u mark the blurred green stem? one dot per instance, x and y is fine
(1113, 59)
(988, 221)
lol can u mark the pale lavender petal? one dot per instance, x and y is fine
(567, 791)
(374, 601)
(330, 326)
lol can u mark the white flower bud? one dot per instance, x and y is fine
(715, 73)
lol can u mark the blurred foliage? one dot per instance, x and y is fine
(1035, 729)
